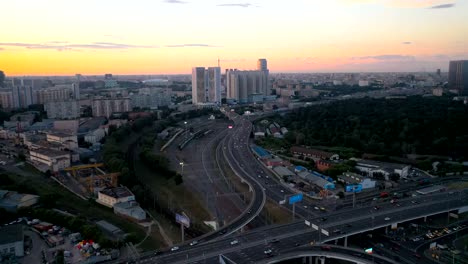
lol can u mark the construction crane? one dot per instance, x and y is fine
(74, 169)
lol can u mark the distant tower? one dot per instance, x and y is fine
(76, 90)
(262, 65)
(458, 76)
(438, 72)
(206, 85)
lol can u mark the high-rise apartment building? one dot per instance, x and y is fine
(6, 99)
(151, 98)
(458, 76)
(248, 86)
(206, 85)
(76, 90)
(53, 94)
(63, 109)
(107, 106)
(262, 65)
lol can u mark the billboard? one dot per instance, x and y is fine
(183, 220)
(295, 198)
(315, 227)
(354, 188)
(307, 223)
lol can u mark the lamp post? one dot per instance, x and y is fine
(182, 170)
(186, 132)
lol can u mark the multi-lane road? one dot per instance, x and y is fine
(250, 246)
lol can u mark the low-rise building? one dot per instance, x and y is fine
(63, 109)
(95, 136)
(274, 162)
(260, 152)
(313, 153)
(350, 178)
(110, 196)
(284, 172)
(67, 140)
(55, 160)
(372, 167)
(323, 165)
(12, 201)
(316, 180)
(12, 241)
(131, 210)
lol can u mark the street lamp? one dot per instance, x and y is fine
(182, 165)
(186, 132)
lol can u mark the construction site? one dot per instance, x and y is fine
(87, 180)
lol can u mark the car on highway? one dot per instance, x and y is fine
(323, 209)
(325, 248)
(323, 219)
(376, 207)
(282, 190)
(234, 242)
(387, 218)
(174, 248)
(268, 251)
(193, 243)
(274, 240)
(316, 208)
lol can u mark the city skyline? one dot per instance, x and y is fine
(172, 36)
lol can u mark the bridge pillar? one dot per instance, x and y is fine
(346, 242)
(425, 219)
(311, 259)
(322, 260)
(336, 241)
(304, 260)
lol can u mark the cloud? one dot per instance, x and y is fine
(405, 3)
(64, 46)
(407, 43)
(442, 6)
(391, 57)
(175, 2)
(190, 45)
(237, 5)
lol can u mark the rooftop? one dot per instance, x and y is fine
(431, 189)
(314, 152)
(283, 171)
(117, 192)
(11, 234)
(59, 134)
(49, 152)
(379, 164)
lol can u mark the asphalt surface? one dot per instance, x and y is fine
(281, 238)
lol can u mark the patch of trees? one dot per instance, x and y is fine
(416, 125)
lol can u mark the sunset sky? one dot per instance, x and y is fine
(64, 37)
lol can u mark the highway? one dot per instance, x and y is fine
(235, 149)
(281, 238)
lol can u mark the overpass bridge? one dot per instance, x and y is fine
(339, 225)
